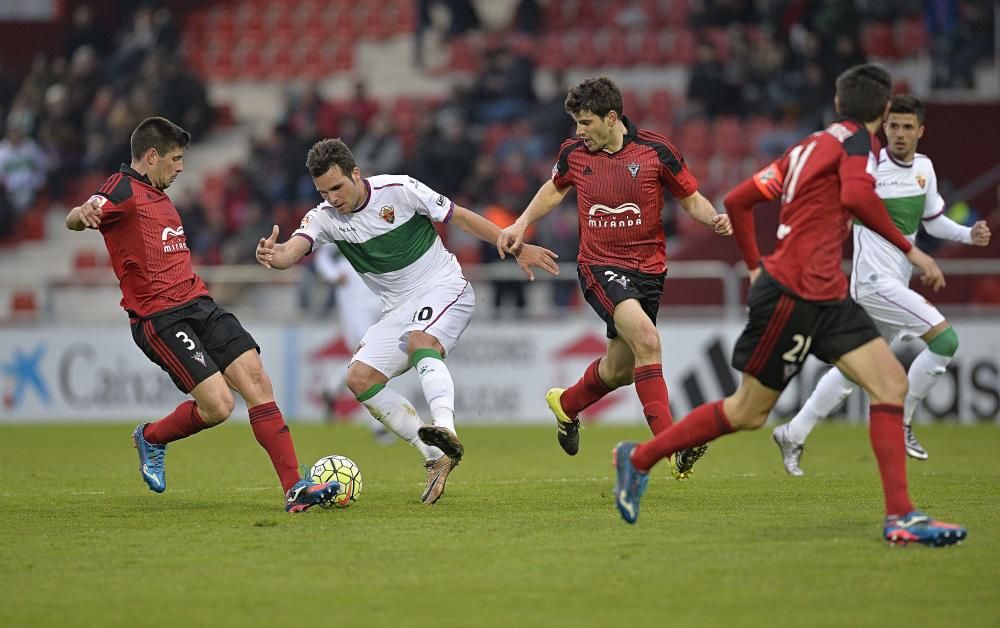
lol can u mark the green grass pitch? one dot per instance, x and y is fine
(524, 536)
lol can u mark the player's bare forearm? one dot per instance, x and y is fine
(474, 224)
(699, 208)
(545, 200)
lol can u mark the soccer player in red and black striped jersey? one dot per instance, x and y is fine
(799, 305)
(620, 173)
(174, 320)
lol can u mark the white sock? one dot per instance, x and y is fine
(439, 390)
(926, 370)
(399, 415)
(831, 389)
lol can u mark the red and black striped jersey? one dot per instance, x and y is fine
(620, 197)
(145, 239)
(822, 181)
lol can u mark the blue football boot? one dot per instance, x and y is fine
(630, 483)
(150, 460)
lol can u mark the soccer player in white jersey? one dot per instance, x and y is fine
(384, 226)
(906, 182)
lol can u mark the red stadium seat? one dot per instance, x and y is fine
(23, 304)
(85, 259)
(877, 40)
(683, 47)
(911, 36)
(730, 138)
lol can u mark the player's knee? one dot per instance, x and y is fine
(217, 409)
(945, 343)
(358, 382)
(892, 388)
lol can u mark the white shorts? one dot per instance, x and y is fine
(443, 311)
(899, 311)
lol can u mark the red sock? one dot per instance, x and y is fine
(653, 395)
(181, 423)
(585, 392)
(885, 429)
(705, 423)
(271, 432)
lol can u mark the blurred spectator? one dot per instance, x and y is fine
(83, 31)
(446, 155)
(710, 90)
(528, 17)
(23, 164)
(505, 88)
(378, 150)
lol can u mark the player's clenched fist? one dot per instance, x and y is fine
(722, 225)
(980, 233)
(265, 248)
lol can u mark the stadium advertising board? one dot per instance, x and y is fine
(501, 373)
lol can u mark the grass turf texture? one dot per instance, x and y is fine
(524, 536)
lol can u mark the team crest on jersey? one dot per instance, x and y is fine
(199, 357)
(633, 168)
(921, 180)
(305, 221)
(388, 214)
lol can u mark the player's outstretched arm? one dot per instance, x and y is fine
(270, 254)
(545, 200)
(528, 255)
(701, 209)
(86, 215)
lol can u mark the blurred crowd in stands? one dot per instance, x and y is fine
(760, 73)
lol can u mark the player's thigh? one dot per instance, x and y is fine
(174, 345)
(749, 406)
(638, 330)
(214, 398)
(605, 287)
(246, 374)
(778, 336)
(874, 367)
(443, 311)
(383, 347)
(896, 309)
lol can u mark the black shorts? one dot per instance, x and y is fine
(782, 330)
(193, 341)
(604, 287)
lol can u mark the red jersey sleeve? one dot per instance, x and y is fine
(765, 185)
(857, 190)
(562, 176)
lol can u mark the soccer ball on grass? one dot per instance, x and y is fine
(340, 469)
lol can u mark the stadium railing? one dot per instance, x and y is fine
(92, 294)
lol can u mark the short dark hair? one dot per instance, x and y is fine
(160, 134)
(599, 96)
(328, 153)
(905, 103)
(862, 92)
